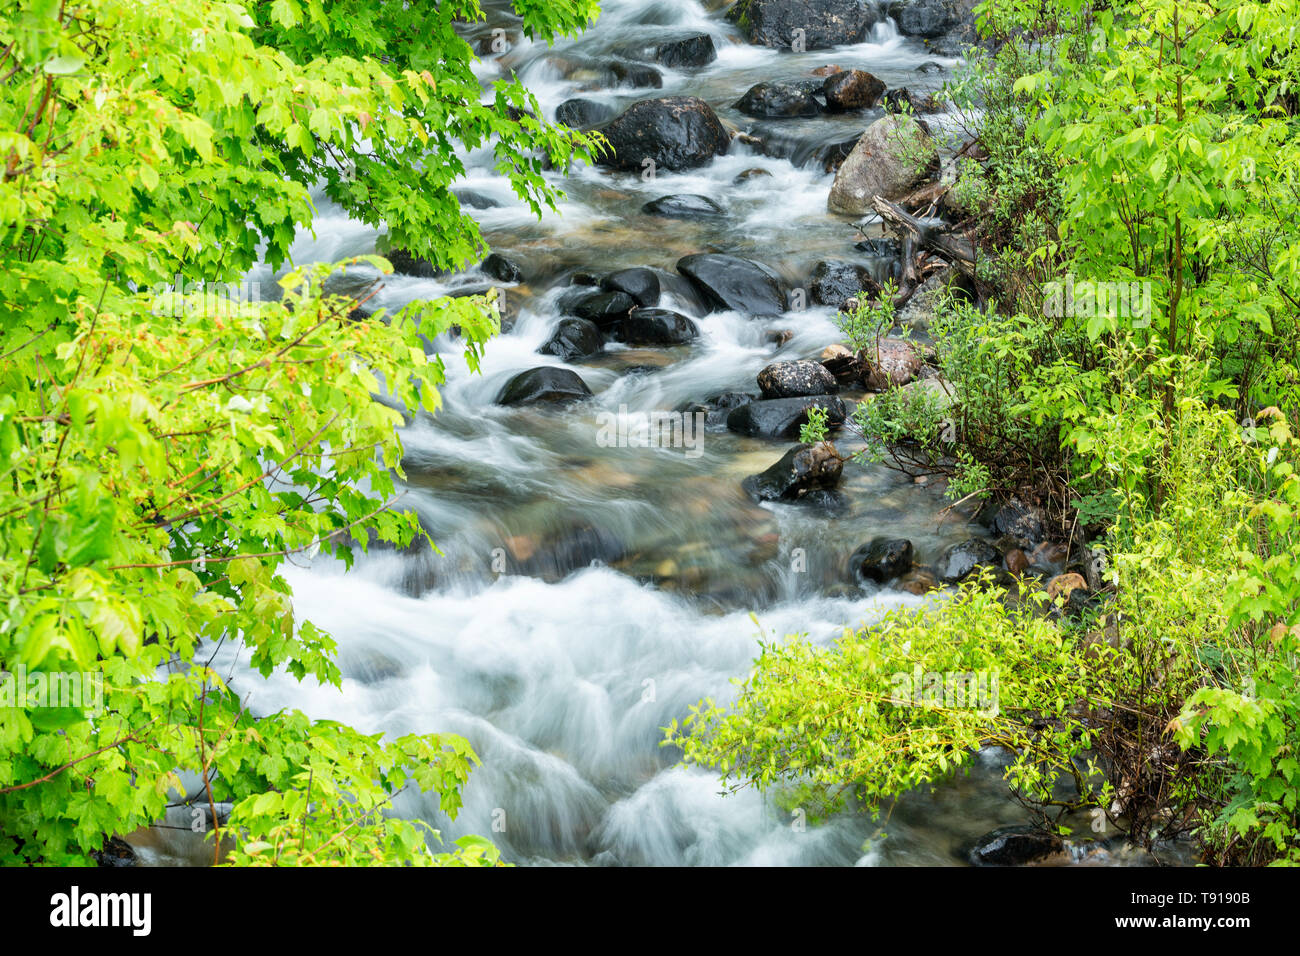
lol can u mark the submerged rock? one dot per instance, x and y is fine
(580, 113)
(546, 385)
(497, 266)
(683, 206)
(882, 559)
(674, 132)
(732, 283)
(802, 470)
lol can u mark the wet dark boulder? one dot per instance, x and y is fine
(783, 417)
(657, 327)
(690, 51)
(544, 385)
(717, 408)
(637, 75)
(474, 199)
(961, 560)
(1014, 846)
(882, 559)
(673, 132)
(573, 338)
(684, 206)
(795, 379)
(642, 285)
(580, 113)
(497, 266)
(1027, 524)
(777, 100)
(929, 18)
(736, 284)
(852, 90)
(405, 263)
(835, 281)
(606, 309)
(802, 470)
(824, 23)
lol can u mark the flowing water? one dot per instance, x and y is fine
(644, 564)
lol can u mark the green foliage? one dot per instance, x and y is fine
(163, 453)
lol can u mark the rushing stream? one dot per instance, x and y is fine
(641, 565)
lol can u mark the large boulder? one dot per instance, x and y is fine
(931, 18)
(684, 206)
(852, 90)
(892, 156)
(544, 385)
(657, 327)
(783, 417)
(695, 50)
(882, 559)
(573, 338)
(642, 285)
(801, 470)
(673, 132)
(776, 101)
(736, 284)
(825, 23)
(795, 379)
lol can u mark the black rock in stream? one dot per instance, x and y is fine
(835, 281)
(732, 283)
(637, 75)
(717, 408)
(689, 51)
(823, 23)
(573, 338)
(498, 267)
(642, 285)
(961, 560)
(580, 113)
(882, 559)
(606, 309)
(544, 385)
(795, 379)
(801, 470)
(777, 100)
(783, 417)
(657, 327)
(673, 133)
(1014, 846)
(684, 206)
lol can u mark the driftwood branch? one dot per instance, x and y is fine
(957, 250)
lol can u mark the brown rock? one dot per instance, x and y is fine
(829, 70)
(1063, 584)
(1016, 560)
(893, 362)
(852, 90)
(917, 581)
